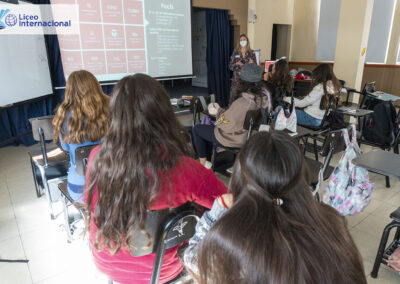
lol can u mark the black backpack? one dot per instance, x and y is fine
(380, 126)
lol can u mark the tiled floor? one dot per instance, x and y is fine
(26, 231)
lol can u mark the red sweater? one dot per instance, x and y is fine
(190, 182)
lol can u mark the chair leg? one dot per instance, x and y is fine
(66, 217)
(47, 192)
(315, 149)
(381, 250)
(38, 193)
(387, 181)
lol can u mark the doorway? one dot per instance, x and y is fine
(281, 35)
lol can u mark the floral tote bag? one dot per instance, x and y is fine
(283, 122)
(348, 189)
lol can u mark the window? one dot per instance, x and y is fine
(327, 30)
(379, 33)
(398, 57)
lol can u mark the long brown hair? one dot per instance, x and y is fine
(84, 109)
(145, 140)
(260, 240)
(322, 74)
(281, 77)
(239, 48)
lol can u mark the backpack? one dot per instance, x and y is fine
(379, 126)
(348, 188)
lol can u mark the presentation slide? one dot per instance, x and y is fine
(121, 37)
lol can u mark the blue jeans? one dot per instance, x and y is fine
(304, 118)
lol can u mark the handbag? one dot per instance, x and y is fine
(284, 121)
(348, 188)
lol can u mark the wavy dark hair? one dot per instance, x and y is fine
(281, 78)
(257, 241)
(247, 87)
(321, 75)
(145, 140)
(87, 105)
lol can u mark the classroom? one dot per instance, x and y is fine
(199, 141)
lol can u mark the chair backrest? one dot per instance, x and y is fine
(45, 123)
(334, 143)
(42, 130)
(324, 121)
(369, 87)
(168, 228)
(158, 222)
(81, 158)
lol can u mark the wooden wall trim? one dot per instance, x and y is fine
(309, 63)
(331, 63)
(381, 65)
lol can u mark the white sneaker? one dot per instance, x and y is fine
(208, 165)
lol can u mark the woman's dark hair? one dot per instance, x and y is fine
(281, 77)
(260, 240)
(144, 141)
(321, 75)
(257, 89)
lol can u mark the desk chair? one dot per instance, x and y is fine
(321, 129)
(383, 252)
(48, 164)
(333, 143)
(81, 160)
(224, 160)
(369, 88)
(387, 147)
(168, 228)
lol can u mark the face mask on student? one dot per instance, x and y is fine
(243, 43)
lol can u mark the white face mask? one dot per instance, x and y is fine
(243, 43)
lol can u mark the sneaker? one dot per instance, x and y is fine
(208, 165)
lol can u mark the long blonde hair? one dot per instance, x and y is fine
(85, 107)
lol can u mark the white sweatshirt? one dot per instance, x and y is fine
(311, 102)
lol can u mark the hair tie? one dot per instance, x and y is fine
(277, 201)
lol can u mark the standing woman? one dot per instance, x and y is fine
(142, 164)
(81, 120)
(241, 56)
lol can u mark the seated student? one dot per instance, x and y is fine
(324, 88)
(81, 120)
(274, 231)
(142, 164)
(279, 82)
(228, 131)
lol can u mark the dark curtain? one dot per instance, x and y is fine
(14, 120)
(218, 54)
